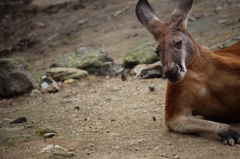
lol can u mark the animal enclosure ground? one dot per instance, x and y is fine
(102, 117)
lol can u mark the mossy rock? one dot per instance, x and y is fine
(17, 77)
(62, 73)
(85, 58)
(142, 55)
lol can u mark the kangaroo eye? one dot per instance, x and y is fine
(177, 41)
(177, 44)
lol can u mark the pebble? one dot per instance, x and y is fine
(50, 85)
(82, 21)
(176, 157)
(69, 81)
(222, 21)
(35, 92)
(154, 118)
(53, 88)
(19, 120)
(123, 77)
(48, 135)
(151, 88)
(44, 85)
(77, 108)
(30, 126)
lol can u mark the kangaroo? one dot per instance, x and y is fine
(200, 82)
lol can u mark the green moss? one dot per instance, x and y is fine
(142, 55)
(34, 72)
(18, 62)
(89, 59)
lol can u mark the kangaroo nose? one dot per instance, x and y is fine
(173, 72)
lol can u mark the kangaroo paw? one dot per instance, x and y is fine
(230, 137)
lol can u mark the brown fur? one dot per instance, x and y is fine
(201, 82)
(220, 64)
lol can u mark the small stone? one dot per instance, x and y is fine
(176, 157)
(113, 119)
(50, 85)
(154, 118)
(151, 88)
(85, 119)
(77, 108)
(69, 81)
(45, 131)
(47, 79)
(44, 85)
(19, 120)
(48, 135)
(222, 21)
(123, 77)
(82, 21)
(53, 88)
(30, 126)
(231, 142)
(35, 92)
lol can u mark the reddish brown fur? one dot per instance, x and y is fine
(201, 82)
(226, 59)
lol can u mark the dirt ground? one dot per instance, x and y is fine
(101, 117)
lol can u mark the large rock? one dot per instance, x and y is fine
(63, 73)
(142, 55)
(17, 77)
(111, 69)
(86, 58)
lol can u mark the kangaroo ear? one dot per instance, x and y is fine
(148, 18)
(180, 14)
